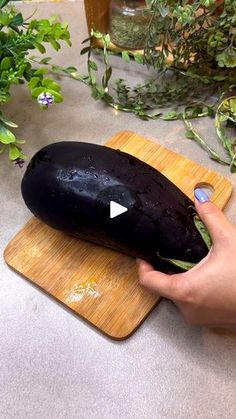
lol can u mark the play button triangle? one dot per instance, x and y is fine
(116, 209)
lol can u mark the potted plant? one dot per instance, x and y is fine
(19, 38)
(194, 43)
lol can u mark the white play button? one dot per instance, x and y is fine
(116, 209)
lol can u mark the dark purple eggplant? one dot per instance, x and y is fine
(69, 186)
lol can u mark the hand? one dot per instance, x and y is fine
(206, 294)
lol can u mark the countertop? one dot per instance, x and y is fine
(53, 365)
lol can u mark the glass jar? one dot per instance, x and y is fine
(129, 21)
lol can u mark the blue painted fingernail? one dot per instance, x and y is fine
(201, 195)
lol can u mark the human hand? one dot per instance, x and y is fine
(206, 294)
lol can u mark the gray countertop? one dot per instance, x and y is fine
(52, 364)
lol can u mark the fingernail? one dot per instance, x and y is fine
(201, 195)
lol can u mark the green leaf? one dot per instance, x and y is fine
(40, 47)
(6, 136)
(219, 77)
(6, 63)
(4, 96)
(163, 10)
(107, 40)
(97, 92)
(125, 56)
(96, 34)
(107, 76)
(227, 58)
(170, 116)
(33, 82)
(71, 69)
(203, 231)
(85, 50)
(190, 135)
(86, 40)
(3, 3)
(44, 23)
(67, 40)
(101, 91)
(3, 37)
(4, 18)
(14, 152)
(185, 266)
(7, 121)
(57, 96)
(55, 44)
(46, 82)
(55, 68)
(37, 91)
(41, 71)
(92, 65)
(55, 86)
(233, 164)
(45, 60)
(17, 20)
(139, 58)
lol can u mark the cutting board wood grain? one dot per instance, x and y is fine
(98, 284)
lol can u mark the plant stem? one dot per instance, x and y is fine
(202, 143)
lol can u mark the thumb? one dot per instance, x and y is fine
(213, 218)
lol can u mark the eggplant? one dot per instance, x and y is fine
(69, 186)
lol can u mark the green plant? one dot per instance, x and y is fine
(195, 69)
(18, 37)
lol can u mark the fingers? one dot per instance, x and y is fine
(184, 287)
(180, 287)
(168, 286)
(215, 221)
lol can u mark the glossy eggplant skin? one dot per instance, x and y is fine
(69, 185)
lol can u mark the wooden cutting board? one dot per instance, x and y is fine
(97, 283)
